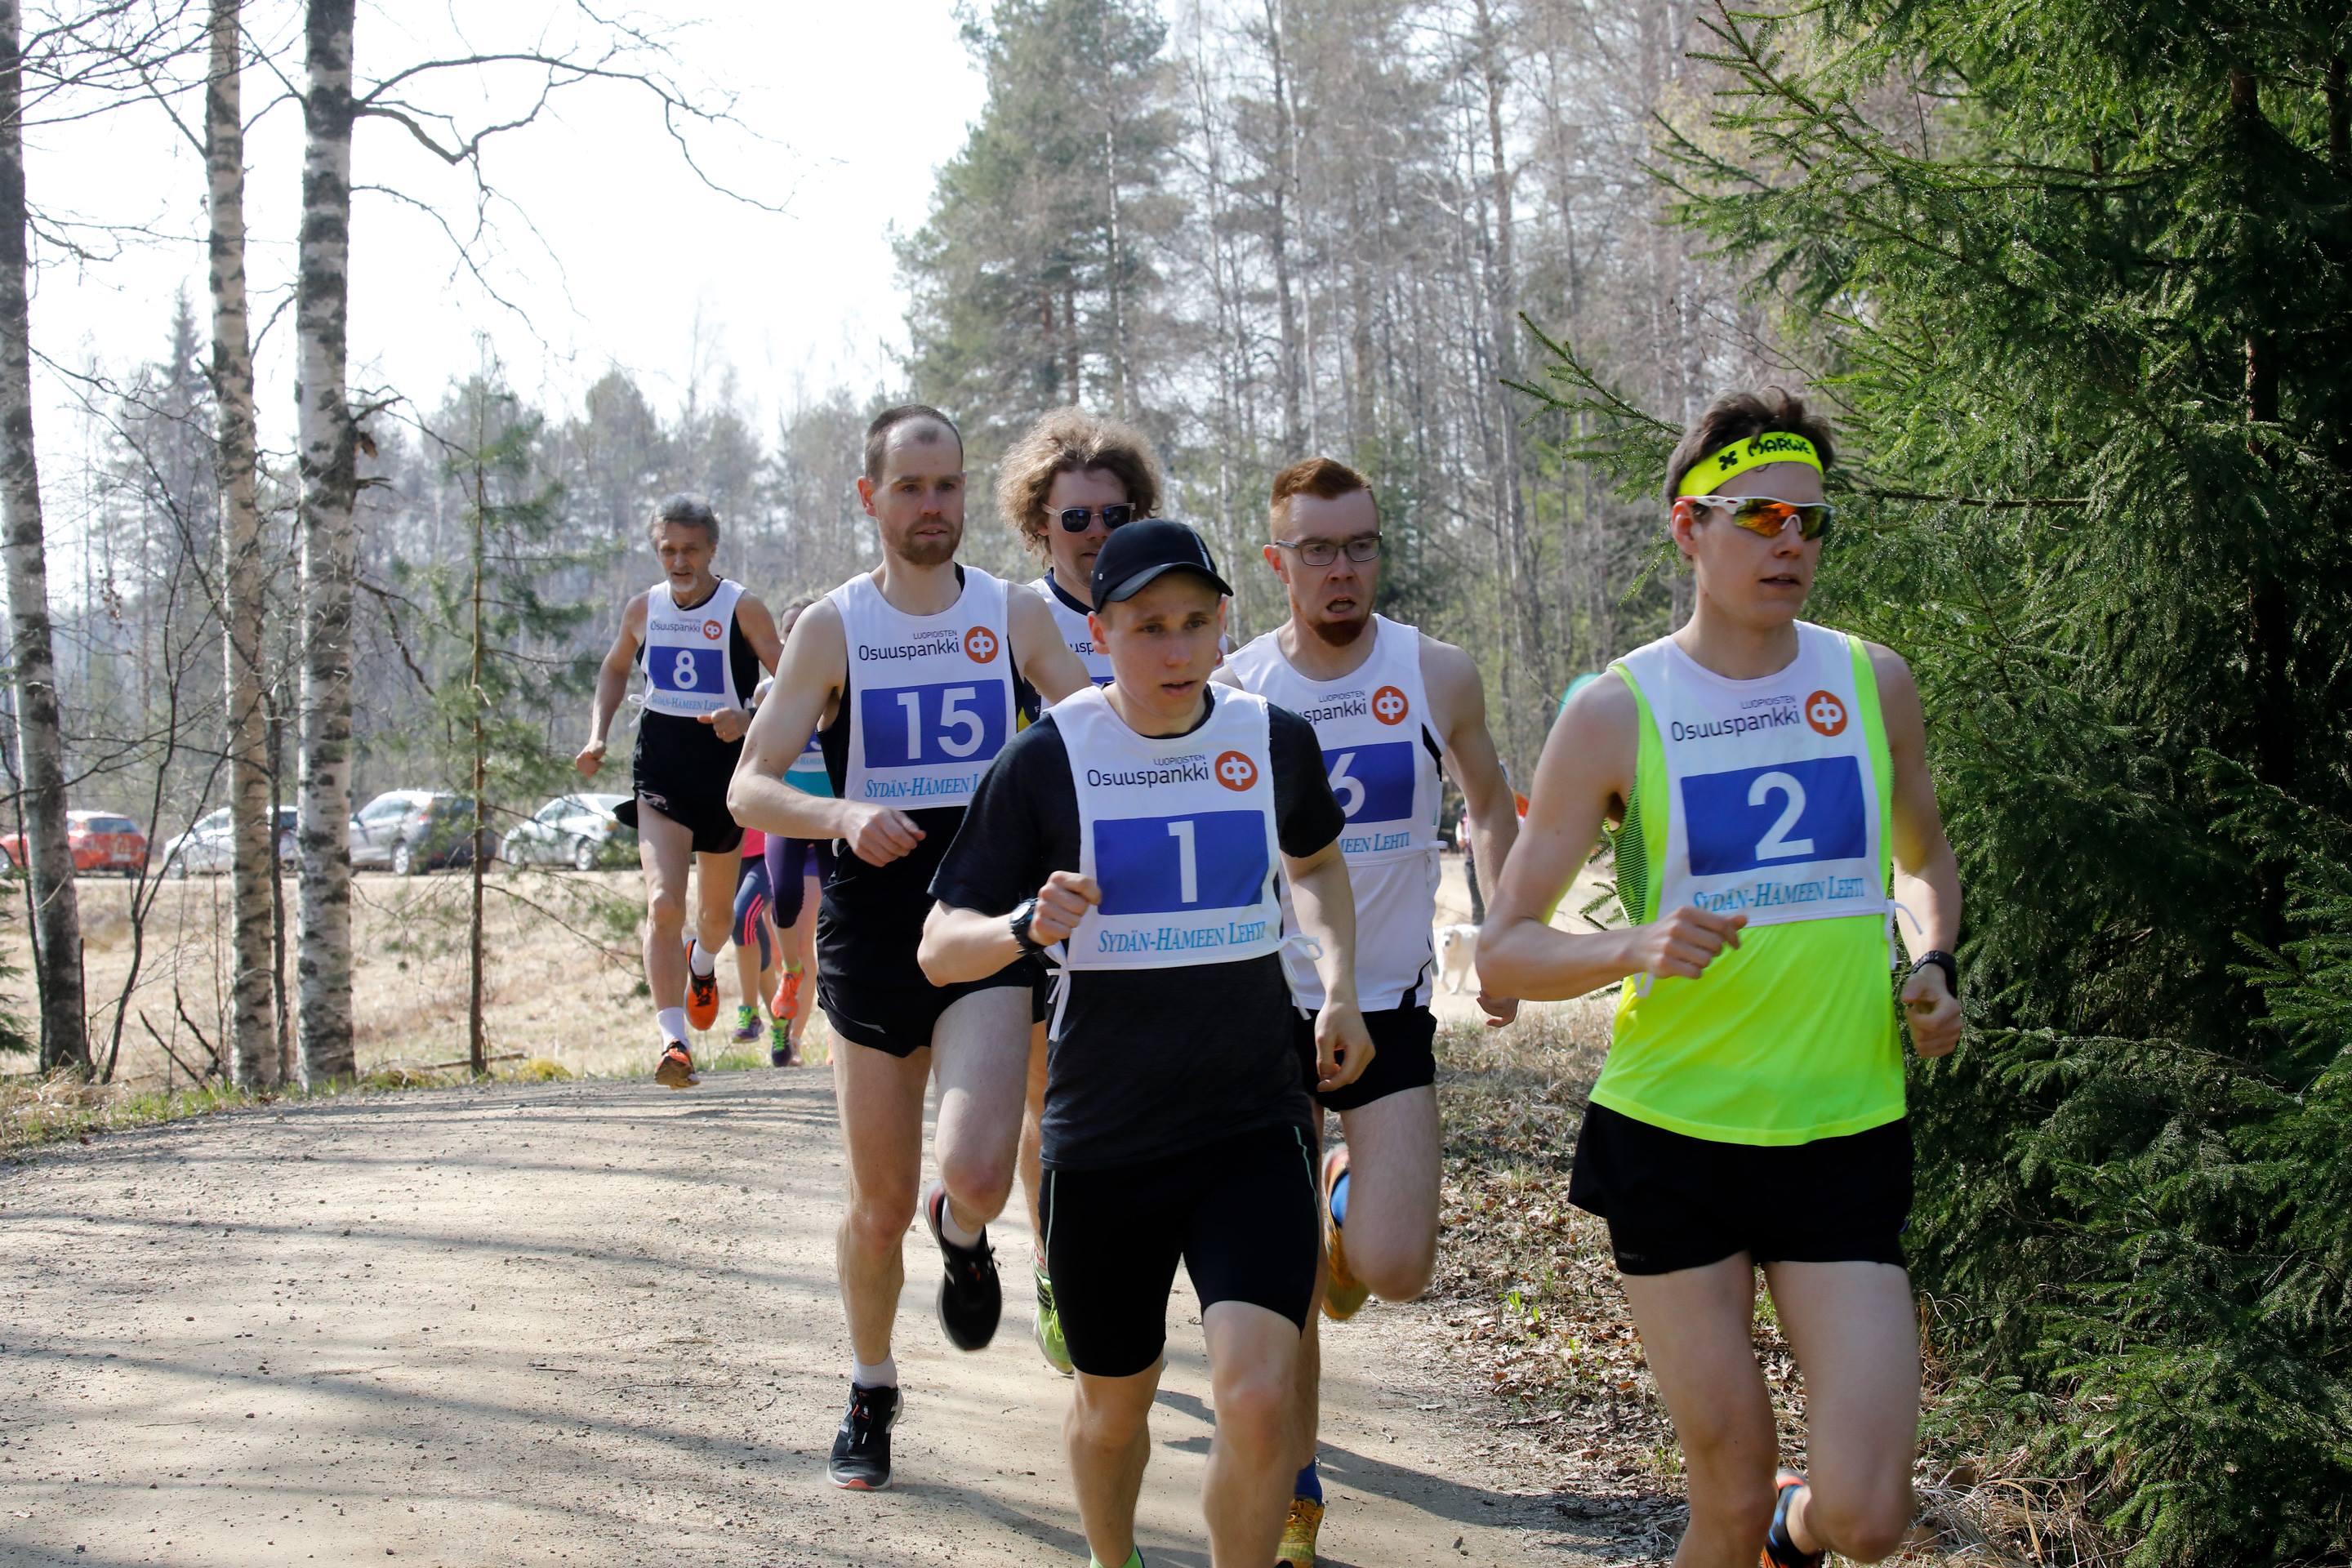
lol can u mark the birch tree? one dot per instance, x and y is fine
(327, 436)
(40, 742)
(253, 1022)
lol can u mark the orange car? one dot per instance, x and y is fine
(100, 841)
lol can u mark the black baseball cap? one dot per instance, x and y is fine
(1144, 549)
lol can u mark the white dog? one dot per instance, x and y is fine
(1457, 949)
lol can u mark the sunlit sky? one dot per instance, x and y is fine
(614, 253)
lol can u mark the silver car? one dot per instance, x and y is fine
(575, 830)
(209, 847)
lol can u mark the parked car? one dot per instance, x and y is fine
(100, 840)
(209, 847)
(410, 830)
(575, 830)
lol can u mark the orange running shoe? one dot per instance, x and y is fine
(676, 1068)
(1343, 1294)
(786, 1005)
(702, 992)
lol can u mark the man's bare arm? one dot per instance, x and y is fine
(1046, 661)
(612, 685)
(1489, 808)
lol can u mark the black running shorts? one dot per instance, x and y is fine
(1403, 1056)
(694, 805)
(1241, 1215)
(876, 995)
(1675, 1202)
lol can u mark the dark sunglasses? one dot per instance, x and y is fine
(1078, 519)
(1764, 515)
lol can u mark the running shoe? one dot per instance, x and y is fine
(702, 992)
(676, 1068)
(1299, 1534)
(971, 1300)
(1050, 1343)
(785, 1006)
(1779, 1551)
(746, 1023)
(861, 1447)
(1344, 1295)
(779, 1043)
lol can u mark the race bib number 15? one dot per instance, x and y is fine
(921, 726)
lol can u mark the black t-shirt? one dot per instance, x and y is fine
(1148, 1062)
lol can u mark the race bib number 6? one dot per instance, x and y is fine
(1374, 783)
(919, 726)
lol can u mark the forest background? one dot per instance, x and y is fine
(2075, 283)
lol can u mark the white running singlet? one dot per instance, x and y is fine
(1072, 624)
(687, 672)
(1374, 726)
(933, 693)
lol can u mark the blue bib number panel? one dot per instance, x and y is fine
(701, 671)
(1175, 865)
(928, 726)
(1373, 783)
(1790, 814)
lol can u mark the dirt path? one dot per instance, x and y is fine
(587, 1323)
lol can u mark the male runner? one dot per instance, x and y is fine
(1070, 479)
(1772, 778)
(1135, 831)
(1389, 707)
(909, 670)
(703, 640)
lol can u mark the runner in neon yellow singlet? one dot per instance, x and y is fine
(1776, 825)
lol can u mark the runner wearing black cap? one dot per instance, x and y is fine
(1131, 836)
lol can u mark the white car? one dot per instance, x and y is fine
(575, 830)
(209, 847)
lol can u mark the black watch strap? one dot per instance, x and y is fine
(1944, 961)
(1022, 915)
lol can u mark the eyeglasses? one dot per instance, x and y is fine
(1078, 519)
(1323, 551)
(1769, 516)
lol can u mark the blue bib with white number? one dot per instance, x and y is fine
(932, 694)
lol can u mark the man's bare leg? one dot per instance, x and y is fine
(982, 1048)
(1032, 1136)
(1391, 1230)
(881, 1105)
(714, 902)
(1109, 1435)
(1254, 1369)
(1856, 1334)
(1697, 1328)
(666, 851)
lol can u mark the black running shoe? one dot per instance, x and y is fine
(861, 1448)
(1779, 1551)
(971, 1301)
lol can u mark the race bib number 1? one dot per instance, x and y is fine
(1177, 865)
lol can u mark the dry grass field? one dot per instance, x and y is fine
(563, 983)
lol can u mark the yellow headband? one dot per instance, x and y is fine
(1708, 474)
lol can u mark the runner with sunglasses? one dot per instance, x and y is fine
(907, 673)
(1065, 484)
(1392, 711)
(1769, 778)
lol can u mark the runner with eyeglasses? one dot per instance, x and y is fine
(1065, 484)
(1770, 780)
(1393, 711)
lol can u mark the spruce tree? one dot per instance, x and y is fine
(2078, 283)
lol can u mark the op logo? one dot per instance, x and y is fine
(1388, 705)
(979, 645)
(1235, 771)
(1825, 713)
(712, 630)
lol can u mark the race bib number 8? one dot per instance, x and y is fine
(694, 670)
(1174, 865)
(1787, 815)
(921, 726)
(1373, 783)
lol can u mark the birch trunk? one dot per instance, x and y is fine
(41, 739)
(330, 484)
(253, 1025)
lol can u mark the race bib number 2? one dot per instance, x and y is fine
(927, 726)
(1791, 814)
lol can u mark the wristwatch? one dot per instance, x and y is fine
(1945, 962)
(1022, 917)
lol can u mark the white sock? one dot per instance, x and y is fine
(698, 959)
(671, 1022)
(956, 1235)
(884, 1375)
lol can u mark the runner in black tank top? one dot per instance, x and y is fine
(702, 641)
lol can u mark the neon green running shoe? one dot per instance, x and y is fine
(779, 1043)
(1049, 1328)
(746, 1021)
